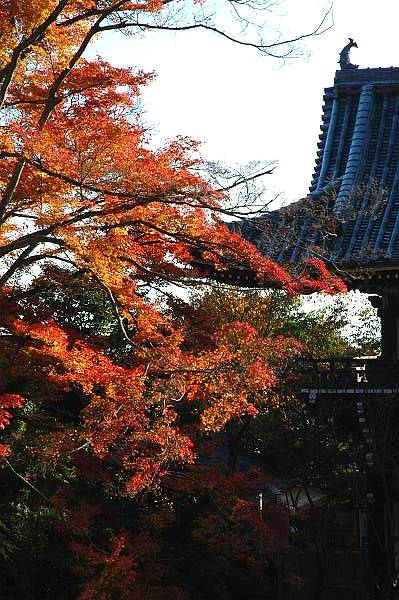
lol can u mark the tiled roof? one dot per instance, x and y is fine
(351, 215)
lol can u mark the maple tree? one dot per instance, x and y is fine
(108, 389)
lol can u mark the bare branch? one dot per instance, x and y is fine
(26, 481)
(265, 48)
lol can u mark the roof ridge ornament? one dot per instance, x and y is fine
(344, 60)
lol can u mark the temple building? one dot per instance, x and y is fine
(350, 219)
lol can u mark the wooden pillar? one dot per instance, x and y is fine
(381, 493)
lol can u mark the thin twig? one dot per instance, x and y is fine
(22, 478)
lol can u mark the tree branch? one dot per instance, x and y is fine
(17, 264)
(264, 48)
(8, 71)
(28, 483)
(114, 305)
(191, 198)
(11, 186)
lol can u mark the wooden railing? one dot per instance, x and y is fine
(365, 371)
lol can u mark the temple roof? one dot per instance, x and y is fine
(351, 215)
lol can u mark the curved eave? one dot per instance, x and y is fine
(351, 217)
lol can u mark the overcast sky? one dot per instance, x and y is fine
(244, 106)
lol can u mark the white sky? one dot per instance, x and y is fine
(244, 106)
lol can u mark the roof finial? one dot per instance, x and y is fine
(344, 61)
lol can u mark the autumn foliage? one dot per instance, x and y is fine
(108, 411)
